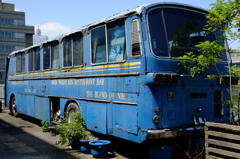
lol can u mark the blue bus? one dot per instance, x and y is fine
(123, 74)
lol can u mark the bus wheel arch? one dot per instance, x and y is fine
(71, 107)
(13, 105)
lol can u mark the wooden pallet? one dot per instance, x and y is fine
(220, 137)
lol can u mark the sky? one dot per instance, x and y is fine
(55, 17)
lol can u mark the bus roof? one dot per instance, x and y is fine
(85, 29)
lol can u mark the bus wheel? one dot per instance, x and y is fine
(14, 106)
(71, 109)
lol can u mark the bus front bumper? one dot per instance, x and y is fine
(171, 133)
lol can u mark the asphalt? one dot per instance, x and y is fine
(22, 138)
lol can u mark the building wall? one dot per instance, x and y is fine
(14, 34)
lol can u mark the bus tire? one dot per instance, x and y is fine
(14, 106)
(71, 108)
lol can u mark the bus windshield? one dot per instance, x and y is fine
(174, 31)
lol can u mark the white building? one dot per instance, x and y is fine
(38, 38)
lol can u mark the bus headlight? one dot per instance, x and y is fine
(156, 119)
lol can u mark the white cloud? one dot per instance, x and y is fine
(18, 10)
(52, 29)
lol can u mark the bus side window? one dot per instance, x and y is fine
(37, 59)
(18, 63)
(55, 55)
(46, 56)
(98, 45)
(67, 52)
(136, 44)
(23, 62)
(30, 60)
(116, 41)
(77, 49)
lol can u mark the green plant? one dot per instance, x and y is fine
(44, 126)
(224, 15)
(74, 130)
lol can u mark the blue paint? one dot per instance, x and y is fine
(120, 98)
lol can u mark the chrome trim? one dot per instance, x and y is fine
(171, 133)
(117, 102)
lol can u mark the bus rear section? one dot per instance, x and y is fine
(175, 103)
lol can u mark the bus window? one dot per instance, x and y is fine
(67, 52)
(22, 62)
(46, 56)
(178, 32)
(30, 60)
(158, 35)
(98, 45)
(116, 41)
(55, 55)
(18, 63)
(135, 38)
(37, 59)
(77, 49)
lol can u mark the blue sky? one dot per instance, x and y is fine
(55, 17)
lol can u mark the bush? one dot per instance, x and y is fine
(74, 130)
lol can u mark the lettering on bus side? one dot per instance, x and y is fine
(19, 82)
(110, 95)
(85, 82)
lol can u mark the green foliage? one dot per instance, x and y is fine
(225, 15)
(116, 154)
(44, 126)
(74, 130)
(209, 55)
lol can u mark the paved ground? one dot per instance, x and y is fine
(22, 137)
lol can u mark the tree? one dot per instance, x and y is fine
(224, 15)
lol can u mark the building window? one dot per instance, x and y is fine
(2, 62)
(12, 35)
(12, 21)
(9, 48)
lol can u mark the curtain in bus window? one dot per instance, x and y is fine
(116, 41)
(18, 63)
(55, 55)
(30, 60)
(46, 56)
(77, 50)
(37, 59)
(67, 52)
(157, 33)
(98, 45)
(136, 51)
(23, 62)
(185, 30)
